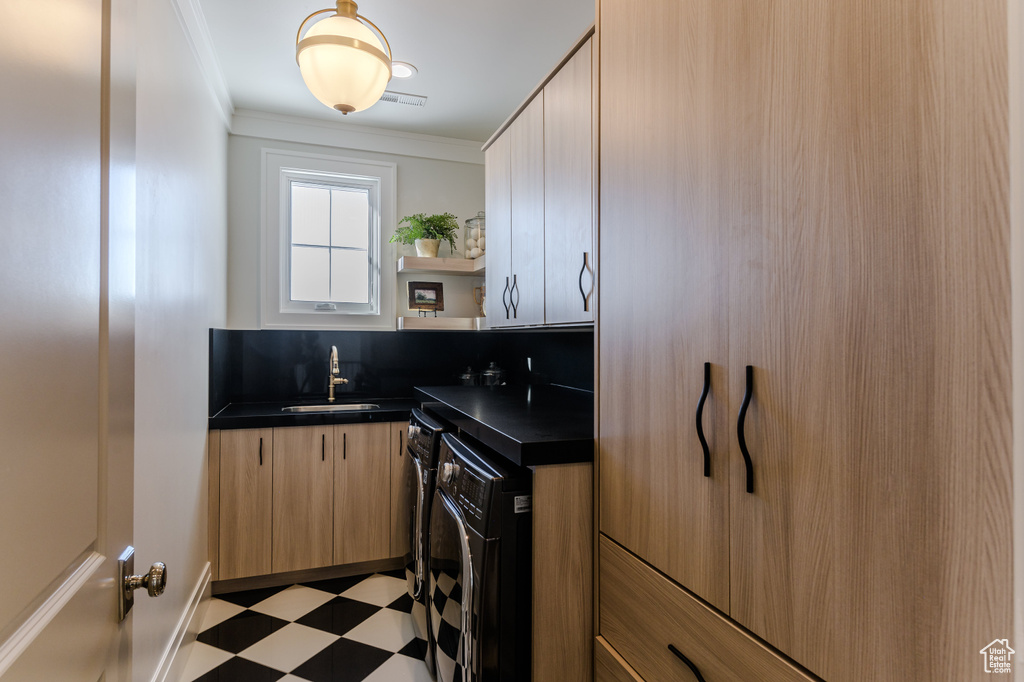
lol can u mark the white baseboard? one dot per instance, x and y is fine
(171, 664)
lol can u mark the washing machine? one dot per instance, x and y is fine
(479, 587)
(420, 476)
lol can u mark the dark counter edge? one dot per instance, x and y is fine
(263, 416)
(529, 454)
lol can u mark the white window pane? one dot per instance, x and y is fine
(350, 218)
(350, 276)
(311, 215)
(311, 274)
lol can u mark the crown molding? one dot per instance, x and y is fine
(197, 34)
(285, 128)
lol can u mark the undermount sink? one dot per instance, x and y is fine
(330, 408)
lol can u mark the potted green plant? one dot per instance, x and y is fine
(427, 232)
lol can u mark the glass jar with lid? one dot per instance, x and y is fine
(475, 236)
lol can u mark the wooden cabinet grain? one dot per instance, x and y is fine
(303, 498)
(400, 538)
(569, 191)
(362, 492)
(527, 186)
(298, 498)
(498, 200)
(806, 212)
(245, 507)
(539, 180)
(643, 615)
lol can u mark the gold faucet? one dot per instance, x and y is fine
(333, 379)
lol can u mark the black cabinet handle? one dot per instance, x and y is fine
(503, 294)
(700, 419)
(261, 452)
(344, 446)
(586, 303)
(323, 447)
(739, 428)
(688, 662)
(514, 291)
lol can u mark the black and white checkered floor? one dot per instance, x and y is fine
(342, 630)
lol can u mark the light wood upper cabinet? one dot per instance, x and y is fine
(810, 213)
(362, 485)
(498, 200)
(303, 498)
(246, 488)
(540, 203)
(569, 191)
(400, 537)
(527, 151)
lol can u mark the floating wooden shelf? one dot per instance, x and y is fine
(470, 267)
(446, 323)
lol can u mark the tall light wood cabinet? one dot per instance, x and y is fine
(245, 508)
(823, 193)
(569, 191)
(362, 484)
(303, 498)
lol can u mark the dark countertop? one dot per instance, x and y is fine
(265, 415)
(529, 425)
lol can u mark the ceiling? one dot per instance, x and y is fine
(477, 59)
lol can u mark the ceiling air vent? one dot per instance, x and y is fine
(402, 98)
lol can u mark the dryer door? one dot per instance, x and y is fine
(416, 491)
(450, 596)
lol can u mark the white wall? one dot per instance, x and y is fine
(181, 279)
(425, 185)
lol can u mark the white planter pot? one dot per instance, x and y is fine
(427, 248)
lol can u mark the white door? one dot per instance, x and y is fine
(66, 336)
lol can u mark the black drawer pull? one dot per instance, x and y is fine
(515, 304)
(261, 452)
(739, 428)
(586, 303)
(700, 419)
(344, 446)
(688, 662)
(323, 447)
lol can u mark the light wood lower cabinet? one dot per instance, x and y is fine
(297, 498)
(362, 485)
(399, 516)
(246, 489)
(643, 614)
(303, 498)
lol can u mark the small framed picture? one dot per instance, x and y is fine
(426, 296)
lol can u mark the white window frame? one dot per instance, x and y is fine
(279, 169)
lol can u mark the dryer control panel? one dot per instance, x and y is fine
(471, 493)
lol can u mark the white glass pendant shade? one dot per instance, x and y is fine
(343, 64)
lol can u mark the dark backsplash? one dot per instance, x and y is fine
(277, 365)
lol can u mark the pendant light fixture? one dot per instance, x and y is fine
(341, 60)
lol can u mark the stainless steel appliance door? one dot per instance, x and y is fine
(450, 596)
(416, 485)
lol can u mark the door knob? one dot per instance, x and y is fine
(155, 581)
